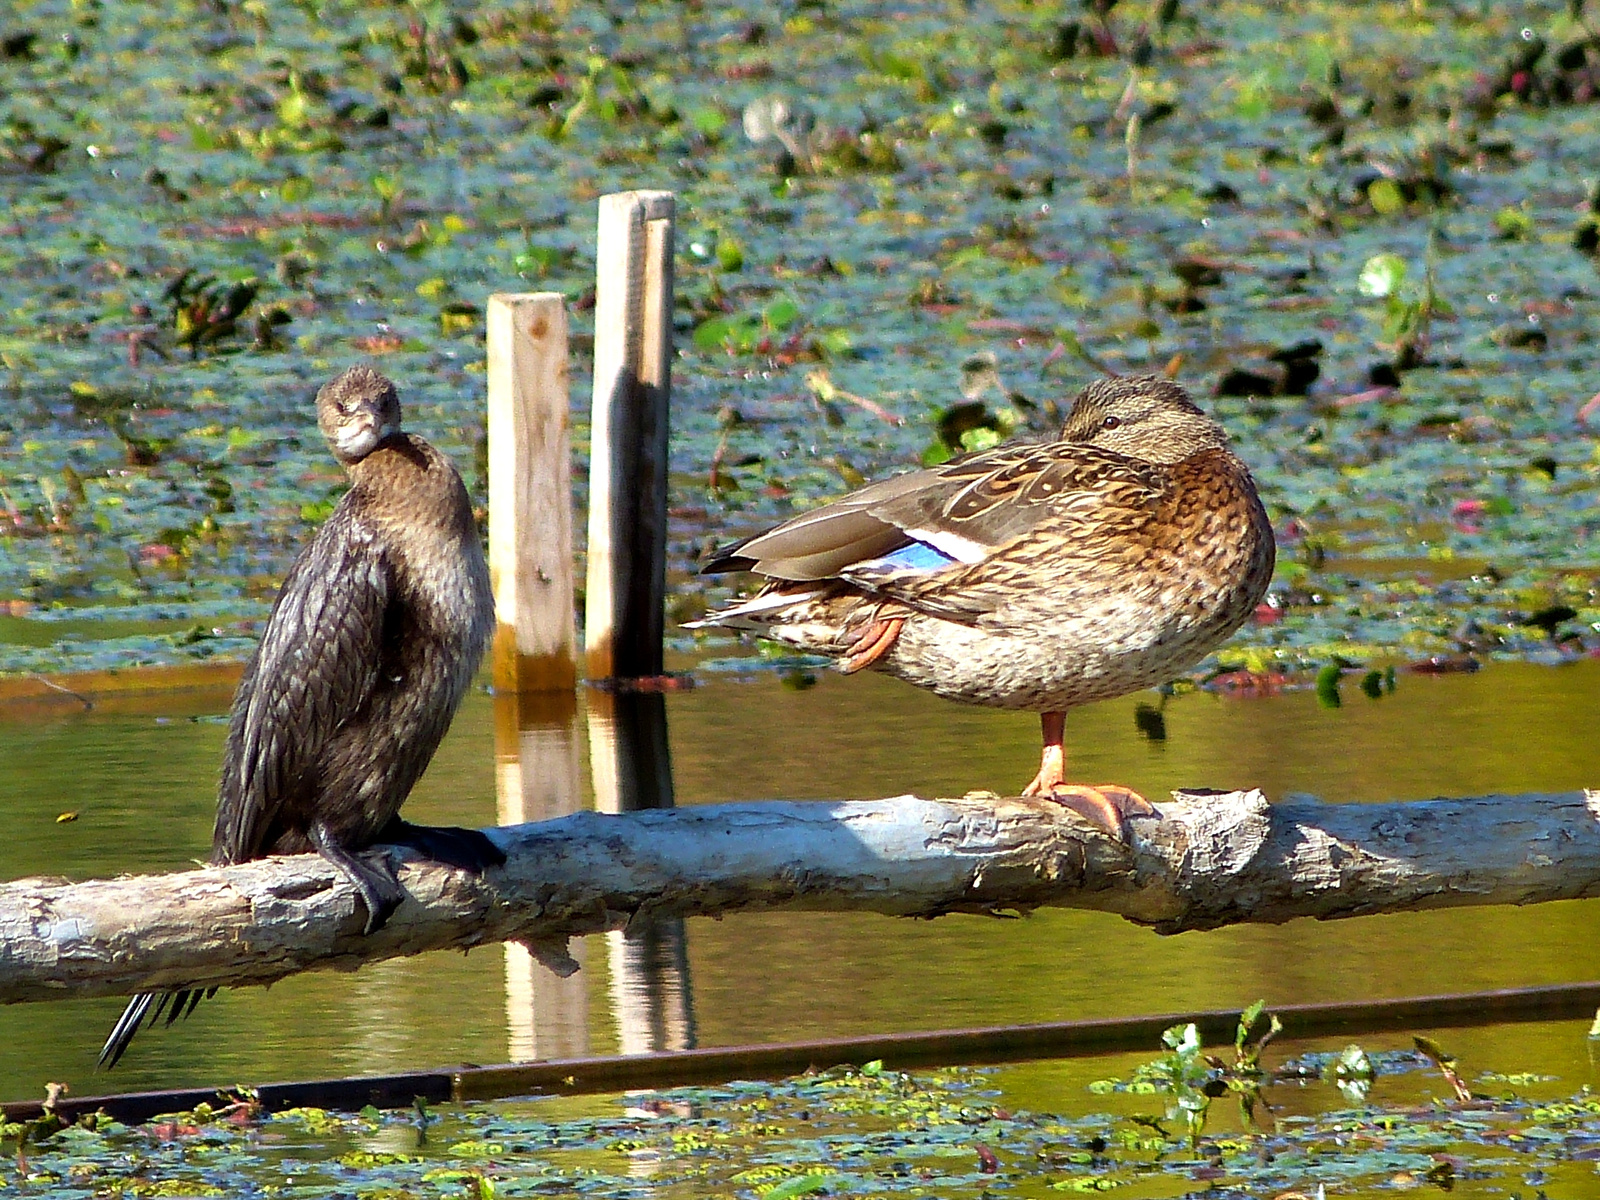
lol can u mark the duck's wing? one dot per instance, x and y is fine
(315, 667)
(818, 544)
(961, 512)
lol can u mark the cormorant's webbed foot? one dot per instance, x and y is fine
(372, 875)
(464, 849)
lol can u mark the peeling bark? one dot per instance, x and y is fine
(1209, 860)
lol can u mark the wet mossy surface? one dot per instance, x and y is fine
(212, 209)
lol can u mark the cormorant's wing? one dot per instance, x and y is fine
(315, 667)
(962, 511)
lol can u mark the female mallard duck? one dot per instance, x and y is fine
(1031, 576)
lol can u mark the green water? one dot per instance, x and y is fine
(140, 774)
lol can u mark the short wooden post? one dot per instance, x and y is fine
(624, 621)
(530, 494)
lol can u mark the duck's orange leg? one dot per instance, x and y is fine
(1108, 805)
(872, 645)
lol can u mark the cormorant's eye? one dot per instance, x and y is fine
(1110, 422)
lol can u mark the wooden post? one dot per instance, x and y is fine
(530, 494)
(625, 621)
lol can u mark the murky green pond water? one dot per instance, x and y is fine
(140, 776)
(998, 182)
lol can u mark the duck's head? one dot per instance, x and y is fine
(356, 411)
(1143, 416)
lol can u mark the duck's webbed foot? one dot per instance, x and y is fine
(1108, 805)
(464, 849)
(372, 875)
(872, 644)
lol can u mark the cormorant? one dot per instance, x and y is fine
(372, 642)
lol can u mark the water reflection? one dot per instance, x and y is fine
(142, 779)
(537, 776)
(631, 762)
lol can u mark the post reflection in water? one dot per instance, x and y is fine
(632, 769)
(538, 776)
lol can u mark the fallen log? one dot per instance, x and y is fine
(1211, 859)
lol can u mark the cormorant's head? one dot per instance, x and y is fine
(356, 411)
(1145, 417)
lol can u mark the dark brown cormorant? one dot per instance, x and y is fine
(372, 642)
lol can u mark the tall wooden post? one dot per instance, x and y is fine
(530, 494)
(624, 619)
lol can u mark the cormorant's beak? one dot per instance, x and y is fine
(353, 443)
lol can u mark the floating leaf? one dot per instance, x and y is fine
(1384, 196)
(1382, 275)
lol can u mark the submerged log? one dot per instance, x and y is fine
(1209, 860)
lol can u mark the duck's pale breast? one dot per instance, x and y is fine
(1089, 618)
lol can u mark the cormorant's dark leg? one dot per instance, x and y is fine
(376, 881)
(464, 849)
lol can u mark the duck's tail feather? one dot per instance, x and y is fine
(146, 1008)
(757, 612)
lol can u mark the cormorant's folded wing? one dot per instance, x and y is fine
(315, 668)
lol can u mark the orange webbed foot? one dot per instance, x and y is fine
(873, 643)
(1108, 805)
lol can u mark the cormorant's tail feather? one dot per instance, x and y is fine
(184, 1003)
(127, 1025)
(146, 1009)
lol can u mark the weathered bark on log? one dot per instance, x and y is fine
(1210, 860)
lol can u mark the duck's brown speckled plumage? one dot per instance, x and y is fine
(373, 640)
(1088, 567)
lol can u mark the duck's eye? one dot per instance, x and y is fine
(1111, 423)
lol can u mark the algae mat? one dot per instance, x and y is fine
(1370, 229)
